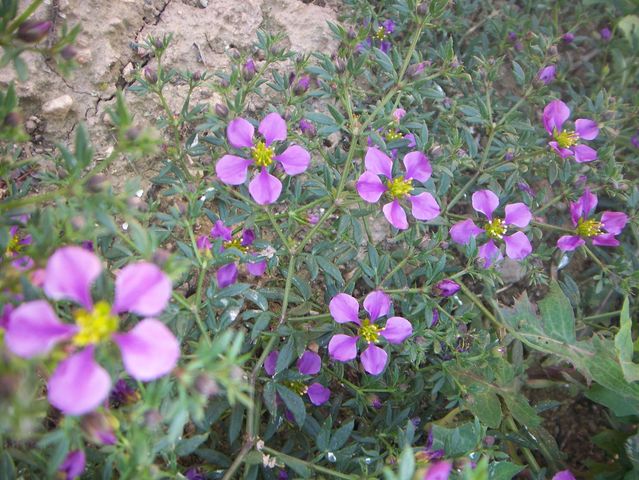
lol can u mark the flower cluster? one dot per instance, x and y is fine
(149, 350)
(380, 37)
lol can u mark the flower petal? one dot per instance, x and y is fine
(562, 152)
(568, 243)
(318, 394)
(226, 275)
(309, 363)
(232, 170)
(149, 350)
(344, 308)
(417, 166)
(272, 127)
(489, 253)
(374, 359)
(588, 202)
(377, 304)
(271, 362)
(586, 128)
(79, 385)
(564, 475)
(614, 222)
(378, 162)
(265, 188)
(395, 215)
(555, 114)
(256, 269)
(240, 133)
(342, 348)
(73, 465)
(424, 206)
(439, 471)
(220, 230)
(34, 329)
(486, 202)
(142, 288)
(370, 187)
(605, 240)
(294, 159)
(517, 214)
(70, 273)
(518, 246)
(462, 231)
(584, 154)
(397, 330)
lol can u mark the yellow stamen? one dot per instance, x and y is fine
(237, 244)
(589, 228)
(393, 134)
(369, 331)
(496, 228)
(565, 139)
(14, 246)
(262, 154)
(95, 326)
(380, 34)
(297, 386)
(398, 187)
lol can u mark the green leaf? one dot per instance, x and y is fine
(503, 470)
(189, 445)
(7, 468)
(629, 25)
(486, 407)
(457, 442)
(341, 436)
(406, 464)
(624, 346)
(294, 403)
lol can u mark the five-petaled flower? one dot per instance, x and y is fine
(486, 202)
(310, 363)
(345, 309)
(371, 188)
(233, 170)
(566, 142)
(149, 350)
(602, 232)
(18, 242)
(380, 37)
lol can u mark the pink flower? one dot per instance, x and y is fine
(547, 74)
(399, 188)
(602, 232)
(566, 142)
(343, 348)
(149, 350)
(309, 363)
(486, 202)
(233, 170)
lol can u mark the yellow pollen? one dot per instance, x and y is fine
(14, 246)
(495, 229)
(566, 138)
(393, 134)
(297, 386)
(262, 154)
(236, 243)
(369, 331)
(95, 326)
(589, 228)
(398, 187)
(380, 34)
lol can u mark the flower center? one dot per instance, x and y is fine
(237, 244)
(14, 246)
(393, 134)
(398, 187)
(369, 331)
(297, 386)
(565, 139)
(589, 228)
(496, 228)
(380, 34)
(95, 326)
(262, 154)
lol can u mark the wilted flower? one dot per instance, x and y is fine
(602, 232)
(547, 74)
(446, 288)
(308, 128)
(99, 428)
(227, 274)
(73, 465)
(565, 142)
(149, 350)
(486, 202)
(400, 188)
(233, 170)
(345, 309)
(309, 363)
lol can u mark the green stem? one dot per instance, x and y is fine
(24, 16)
(403, 262)
(313, 466)
(479, 304)
(277, 229)
(601, 315)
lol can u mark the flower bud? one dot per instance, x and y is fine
(13, 119)
(606, 34)
(133, 133)
(97, 183)
(161, 256)
(635, 141)
(32, 31)
(446, 288)
(422, 8)
(351, 34)
(546, 75)
(158, 44)
(415, 70)
(221, 110)
(301, 86)
(206, 385)
(340, 65)
(99, 428)
(152, 419)
(307, 128)
(123, 394)
(73, 465)
(69, 52)
(435, 320)
(249, 70)
(150, 75)
(568, 37)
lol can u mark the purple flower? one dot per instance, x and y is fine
(249, 70)
(203, 243)
(370, 187)
(343, 348)
(439, 471)
(568, 37)
(606, 34)
(227, 274)
(73, 465)
(565, 142)
(381, 37)
(18, 241)
(307, 128)
(233, 170)
(123, 394)
(635, 141)
(309, 363)
(547, 74)
(99, 428)
(517, 245)
(301, 86)
(194, 474)
(398, 114)
(602, 232)
(149, 350)
(446, 288)
(564, 475)
(512, 36)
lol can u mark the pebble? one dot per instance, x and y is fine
(204, 3)
(58, 107)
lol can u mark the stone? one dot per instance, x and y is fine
(58, 107)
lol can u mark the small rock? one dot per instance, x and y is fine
(30, 126)
(84, 56)
(58, 107)
(204, 3)
(128, 72)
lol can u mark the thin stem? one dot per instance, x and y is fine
(601, 315)
(403, 262)
(277, 229)
(24, 16)
(479, 304)
(313, 466)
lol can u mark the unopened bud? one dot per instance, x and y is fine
(351, 34)
(13, 119)
(161, 256)
(422, 8)
(32, 31)
(197, 76)
(415, 70)
(99, 428)
(340, 65)
(97, 183)
(69, 52)
(206, 385)
(221, 110)
(152, 418)
(248, 70)
(133, 133)
(150, 75)
(446, 288)
(307, 128)
(159, 44)
(302, 85)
